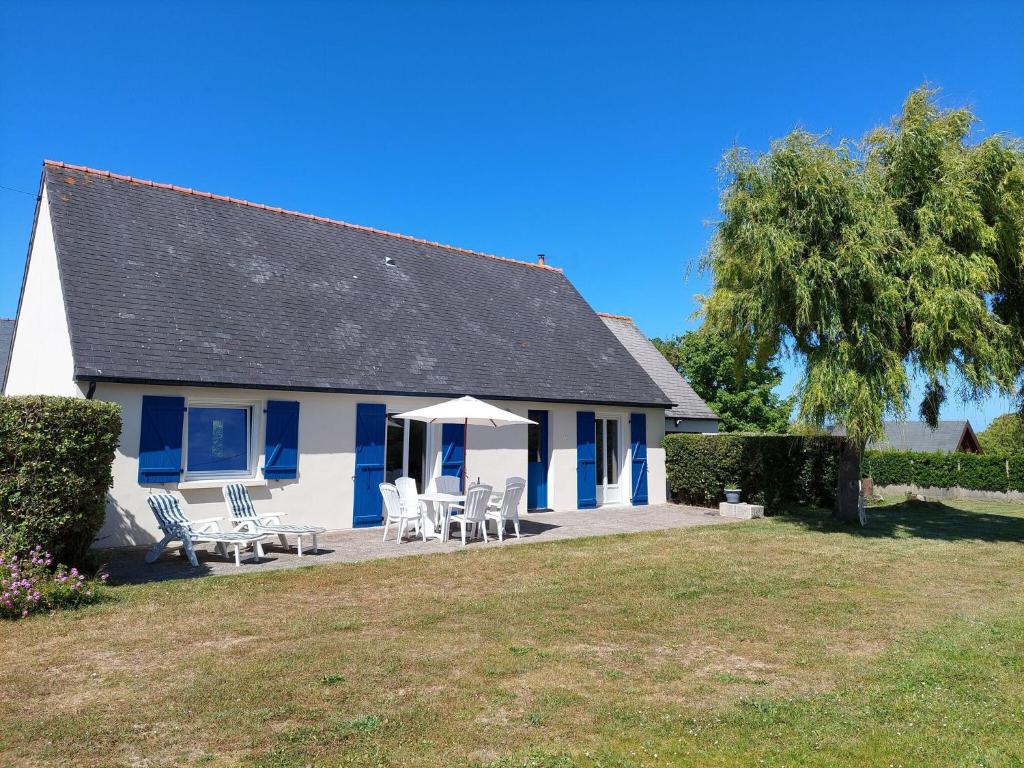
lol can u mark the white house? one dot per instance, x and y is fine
(245, 342)
(690, 413)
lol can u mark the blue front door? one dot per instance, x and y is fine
(371, 425)
(537, 461)
(638, 450)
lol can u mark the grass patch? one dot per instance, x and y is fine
(787, 641)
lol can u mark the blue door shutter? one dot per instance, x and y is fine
(537, 461)
(586, 461)
(163, 422)
(281, 452)
(371, 427)
(453, 450)
(638, 450)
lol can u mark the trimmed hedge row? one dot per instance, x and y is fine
(773, 470)
(977, 472)
(55, 468)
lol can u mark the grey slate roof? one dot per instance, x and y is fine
(165, 285)
(6, 334)
(918, 436)
(688, 404)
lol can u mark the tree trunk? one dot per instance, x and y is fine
(847, 507)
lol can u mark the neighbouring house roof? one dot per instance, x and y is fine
(688, 404)
(165, 284)
(6, 333)
(947, 437)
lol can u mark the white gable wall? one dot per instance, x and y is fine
(41, 362)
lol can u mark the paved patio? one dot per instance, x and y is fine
(351, 546)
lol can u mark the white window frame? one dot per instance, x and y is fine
(427, 446)
(603, 499)
(254, 450)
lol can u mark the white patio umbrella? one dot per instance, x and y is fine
(465, 410)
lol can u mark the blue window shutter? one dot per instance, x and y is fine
(371, 429)
(453, 450)
(163, 422)
(638, 450)
(281, 453)
(586, 461)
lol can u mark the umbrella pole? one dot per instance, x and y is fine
(465, 451)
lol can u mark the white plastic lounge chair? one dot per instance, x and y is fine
(474, 511)
(397, 512)
(508, 508)
(177, 527)
(244, 517)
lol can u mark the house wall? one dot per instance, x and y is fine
(323, 492)
(690, 425)
(41, 362)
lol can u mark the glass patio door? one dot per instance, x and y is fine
(609, 460)
(406, 450)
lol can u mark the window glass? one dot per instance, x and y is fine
(599, 425)
(533, 444)
(613, 451)
(418, 452)
(393, 468)
(218, 439)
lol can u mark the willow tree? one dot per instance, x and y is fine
(876, 264)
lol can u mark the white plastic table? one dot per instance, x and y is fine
(439, 511)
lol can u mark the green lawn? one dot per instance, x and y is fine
(776, 642)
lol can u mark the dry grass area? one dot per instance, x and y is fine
(782, 641)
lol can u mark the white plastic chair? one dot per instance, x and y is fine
(446, 484)
(177, 527)
(397, 512)
(508, 508)
(474, 510)
(244, 517)
(408, 494)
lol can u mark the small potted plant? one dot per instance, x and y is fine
(732, 491)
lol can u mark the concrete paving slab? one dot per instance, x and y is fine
(356, 545)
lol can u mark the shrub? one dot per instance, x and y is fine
(55, 468)
(28, 585)
(773, 470)
(978, 472)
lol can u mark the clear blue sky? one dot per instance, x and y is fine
(589, 131)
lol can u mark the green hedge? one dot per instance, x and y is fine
(774, 470)
(978, 472)
(55, 468)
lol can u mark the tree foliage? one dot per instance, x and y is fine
(877, 263)
(1004, 435)
(740, 391)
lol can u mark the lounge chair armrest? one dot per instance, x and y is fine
(204, 520)
(270, 519)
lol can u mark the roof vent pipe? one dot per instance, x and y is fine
(540, 259)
